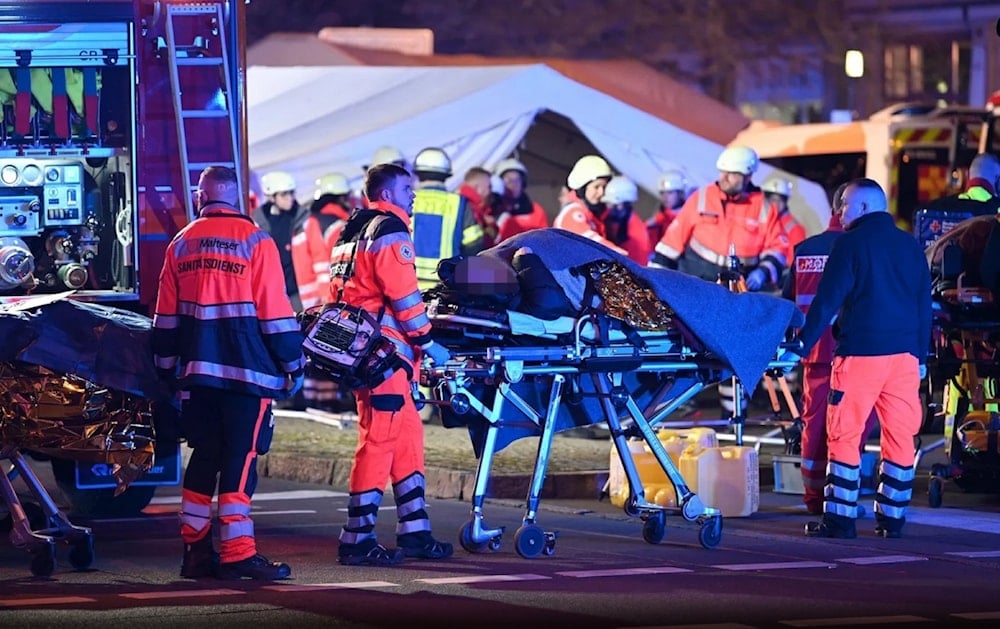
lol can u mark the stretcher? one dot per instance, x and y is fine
(515, 375)
(964, 362)
(76, 382)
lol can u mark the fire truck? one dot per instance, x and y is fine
(110, 110)
(917, 153)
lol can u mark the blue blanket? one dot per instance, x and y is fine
(743, 330)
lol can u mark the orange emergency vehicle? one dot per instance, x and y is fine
(917, 154)
(110, 110)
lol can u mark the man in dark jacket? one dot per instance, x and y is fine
(876, 283)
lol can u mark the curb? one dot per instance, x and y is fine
(453, 484)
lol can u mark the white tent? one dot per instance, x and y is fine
(319, 119)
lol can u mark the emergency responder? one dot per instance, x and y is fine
(804, 274)
(673, 191)
(331, 206)
(387, 155)
(877, 283)
(443, 223)
(224, 331)
(777, 191)
(584, 212)
(305, 260)
(477, 189)
(622, 225)
(381, 279)
(330, 209)
(513, 209)
(730, 211)
(980, 196)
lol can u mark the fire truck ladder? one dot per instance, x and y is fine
(201, 54)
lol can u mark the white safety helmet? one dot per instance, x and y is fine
(332, 183)
(510, 164)
(672, 180)
(386, 155)
(587, 169)
(778, 186)
(496, 184)
(738, 159)
(620, 189)
(432, 160)
(277, 181)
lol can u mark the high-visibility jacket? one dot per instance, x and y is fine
(515, 216)
(658, 223)
(332, 217)
(443, 227)
(794, 230)
(979, 199)
(310, 256)
(697, 241)
(222, 318)
(635, 241)
(576, 217)
(376, 271)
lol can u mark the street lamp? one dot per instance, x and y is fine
(854, 64)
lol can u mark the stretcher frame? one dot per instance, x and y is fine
(560, 365)
(38, 527)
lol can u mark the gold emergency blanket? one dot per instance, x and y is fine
(68, 417)
(625, 297)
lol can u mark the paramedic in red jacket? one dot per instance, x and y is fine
(224, 332)
(372, 267)
(584, 212)
(621, 223)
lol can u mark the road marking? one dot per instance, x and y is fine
(621, 572)
(301, 494)
(867, 561)
(780, 565)
(485, 578)
(976, 554)
(143, 596)
(954, 519)
(255, 512)
(857, 620)
(49, 600)
(978, 615)
(381, 508)
(330, 586)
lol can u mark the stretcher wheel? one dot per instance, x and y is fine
(710, 533)
(935, 491)
(465, 540)
(530, 541)
(655, 527)
(81, 555)
(43, 563)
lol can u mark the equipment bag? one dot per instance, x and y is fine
(346, 343)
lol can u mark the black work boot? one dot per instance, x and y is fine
(257, 567)
(889, 528)
(200, 559)
(368, 554)
(422, 545)
(832, 526)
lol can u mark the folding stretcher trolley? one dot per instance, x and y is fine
(629, 364)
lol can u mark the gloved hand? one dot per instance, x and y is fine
(438, 353)
(786, 355)
(923, 371)
(293, 384)
(756, 279)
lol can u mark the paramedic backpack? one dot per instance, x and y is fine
(346, 342)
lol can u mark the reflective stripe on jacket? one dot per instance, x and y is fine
(222, 317)
(711, 220)
(372, 267)
(443, 227)
(576, 217)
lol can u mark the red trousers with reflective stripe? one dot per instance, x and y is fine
(390, 442)
(815, 393)
(890, 385)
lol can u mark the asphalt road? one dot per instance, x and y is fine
(601, 574)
